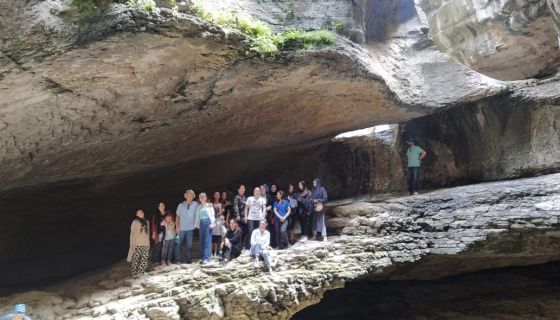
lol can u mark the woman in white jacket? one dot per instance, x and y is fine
(260, 245)
(204, 221)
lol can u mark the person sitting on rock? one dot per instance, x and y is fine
(139, 250)
(233, 242)
(260, 245)
(414, 155)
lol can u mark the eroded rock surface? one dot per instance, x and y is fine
(455, 230)
(88, 97)
(506, 40)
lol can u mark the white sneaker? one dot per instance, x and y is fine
(303, 239)
(415, 193)
(325, 239)
(256, 263)
(270, 271)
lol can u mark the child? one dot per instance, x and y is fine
(218, 233)
(169, 240)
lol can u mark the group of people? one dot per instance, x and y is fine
(257, 223)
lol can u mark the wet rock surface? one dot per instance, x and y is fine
(419, 237)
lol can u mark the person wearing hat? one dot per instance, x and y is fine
(185, 225)
(414, 155)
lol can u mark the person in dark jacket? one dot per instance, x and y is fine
(294, 217)
(305, 210)
(233, 242)
(319, 197)
(158, 231)
(239, 202)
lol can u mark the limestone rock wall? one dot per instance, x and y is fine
(503, 39)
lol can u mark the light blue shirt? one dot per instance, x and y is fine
(187, 215)
(413, 155)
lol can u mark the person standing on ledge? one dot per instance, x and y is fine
(139, 250)
(185, 222)
(414, 155)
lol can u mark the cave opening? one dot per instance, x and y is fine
(530, 292)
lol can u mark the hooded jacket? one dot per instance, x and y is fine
(319, 193)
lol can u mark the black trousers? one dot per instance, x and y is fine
(156, 251)
(306, 220)
(228, 253)
(413, 179)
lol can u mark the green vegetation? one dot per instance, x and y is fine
(297, 39)
(149, 5)
(338, 26)
(262, 39)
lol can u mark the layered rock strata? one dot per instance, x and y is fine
(506, 40)
(422, 237)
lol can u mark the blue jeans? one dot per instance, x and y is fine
(184, 237)
(413, 179)
(205, 236)
(167, 252)
(257, 251)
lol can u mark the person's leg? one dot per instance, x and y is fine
(234, 252)
(189, 240)
(135, 263)
(250, 226)
(181, 245)
(266, 258)
(208, 241)
(321, 226)
(410, 180)
(214, 246)
(202, 239)
(170, 244)
(164, 251)
(313, 223)
(177, 248)
(284, 241)
(277, 225)
(416, 178)
(144, 256)
(304, 225)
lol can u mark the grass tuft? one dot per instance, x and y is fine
(298, 39)
(149, 5)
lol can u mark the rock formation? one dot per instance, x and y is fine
(506, 40)
(421, 237)
(101, 114)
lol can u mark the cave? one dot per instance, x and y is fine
(115, 108)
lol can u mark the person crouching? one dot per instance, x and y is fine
(233, 242)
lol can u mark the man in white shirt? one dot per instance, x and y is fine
(255, 211)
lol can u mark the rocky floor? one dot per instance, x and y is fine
(427, 236)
